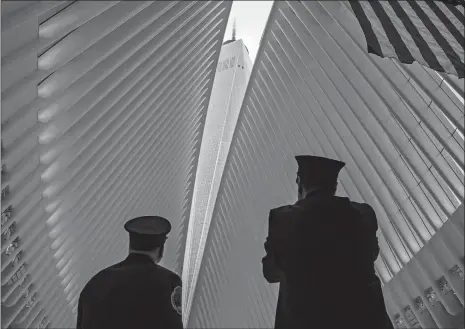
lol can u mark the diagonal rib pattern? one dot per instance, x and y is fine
(103, 109)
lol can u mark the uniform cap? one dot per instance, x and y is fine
(318, 170)
(148, 232)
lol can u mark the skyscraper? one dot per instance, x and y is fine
(232, 76)
(314, 89)
(103, 108)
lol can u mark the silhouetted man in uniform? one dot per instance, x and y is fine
(137, 292)
(322, 251)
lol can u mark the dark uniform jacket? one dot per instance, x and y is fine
(136, 293)
(322, 251)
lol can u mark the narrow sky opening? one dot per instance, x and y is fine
(251, 17)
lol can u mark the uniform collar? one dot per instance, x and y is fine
(317, 193)
(139, 258)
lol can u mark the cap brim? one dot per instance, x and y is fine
(148, 225)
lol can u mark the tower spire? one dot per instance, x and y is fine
(234, 30)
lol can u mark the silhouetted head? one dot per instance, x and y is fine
(317, 174)
(147, 235)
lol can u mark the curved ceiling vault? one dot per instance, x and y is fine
(103, 107)
(315, 90)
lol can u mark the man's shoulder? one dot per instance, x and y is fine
(364, 208)
(286, 209)
(167, 274)
(298, 207)
(102, 274)
(284, 215)
(367, 212)
(94, 282)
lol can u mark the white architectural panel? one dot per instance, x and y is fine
(232, 75)
(400, 128)
(103, 106)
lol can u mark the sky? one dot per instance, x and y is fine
(251, 17)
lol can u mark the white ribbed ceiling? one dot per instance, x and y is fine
(103, 107)
(315, 90)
